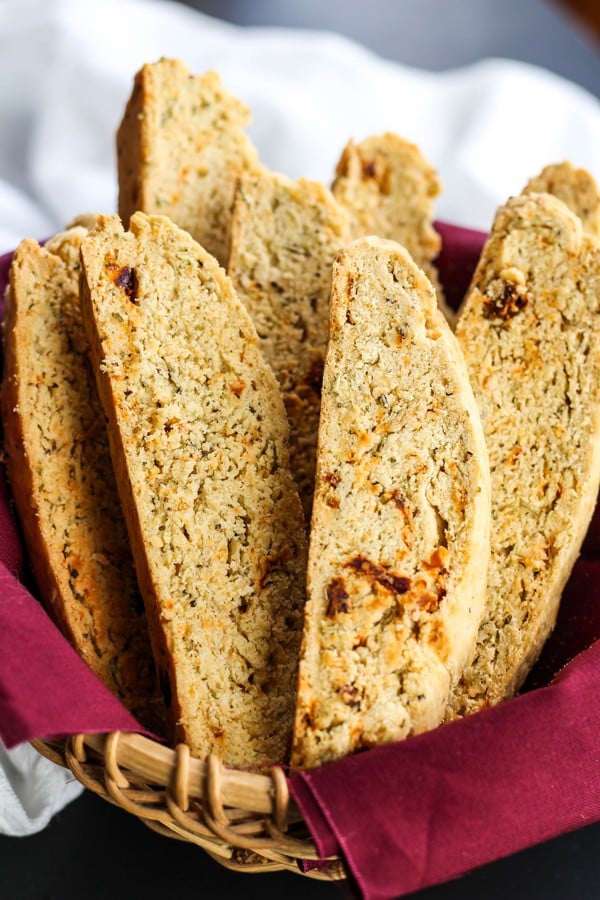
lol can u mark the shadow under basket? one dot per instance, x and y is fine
(247, 821)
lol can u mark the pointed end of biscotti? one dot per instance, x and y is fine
(35, 263)
(541, 210)
(181, 146)
(40, 261)
(104, 221)
(362, 162)
(523, 227)
(577, 188)
(388, 188)
(369, 254)
(109, 234)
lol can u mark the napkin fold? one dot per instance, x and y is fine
(410, 815)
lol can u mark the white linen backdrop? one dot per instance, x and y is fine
(66, 70)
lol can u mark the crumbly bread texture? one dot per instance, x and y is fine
(530, 332)
(400, 530)
(575, 187)
(181, 149)
(285, 236)
(198, 437)
(62, 479)
(389, 189)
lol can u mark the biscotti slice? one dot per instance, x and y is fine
(389, 189)
(198, 437)
(181, 149)
(530, 333)
(62, 479)
(575, 187)
(285, 236)
(400, 530)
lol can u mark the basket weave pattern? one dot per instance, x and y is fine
(245, 820)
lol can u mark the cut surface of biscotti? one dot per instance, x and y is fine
(530, 330)
(181, 149)
(399, 539)
(285, 236)
(577, 188)
(61, 475)
(389, 188)
(199, 441)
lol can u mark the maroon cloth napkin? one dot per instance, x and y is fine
(45, 689)
(407, 815)
(416, 813)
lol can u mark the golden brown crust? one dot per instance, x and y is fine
(19, 469)
(400, 529)
(199, 435)
(61, 477)
(530, 332)
(181, 149)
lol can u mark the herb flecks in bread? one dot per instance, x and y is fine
(530, 332)
(199, 440)
(61, 475)
(389, 189)
(181, 149)
(400, 530)
(285, 236)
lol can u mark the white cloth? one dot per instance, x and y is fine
(32, 790)
(66, 69)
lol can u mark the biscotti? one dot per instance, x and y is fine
(575, 187)
(399, 539)
(389, 189)
(530, 333)
(62, 480)
(181, 149)
(285, 236)
(199, 441)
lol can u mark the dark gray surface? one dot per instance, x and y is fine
(93, 850)
(437, 34)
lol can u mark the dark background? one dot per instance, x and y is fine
(440, 34)
(93, 850)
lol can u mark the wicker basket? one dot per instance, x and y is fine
(245, 820)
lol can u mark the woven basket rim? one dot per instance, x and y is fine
(245, 819)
